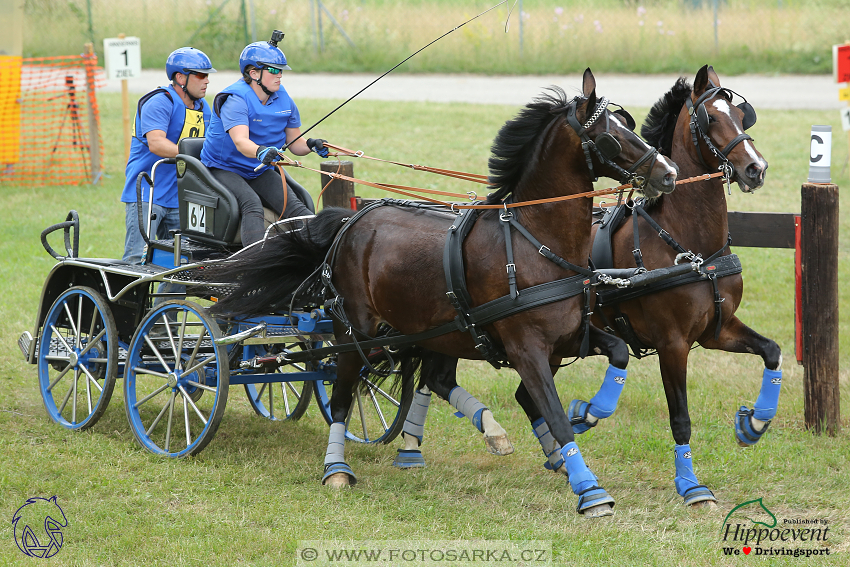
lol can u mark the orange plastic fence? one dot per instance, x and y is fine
(45, 127)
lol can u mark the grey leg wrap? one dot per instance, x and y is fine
(551, 448)
(414, 425)
(467, 405)
(335, 455)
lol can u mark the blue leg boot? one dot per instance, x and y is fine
(414, 428)
(748, 431)
(584, 415)
(584, 483)
(551, 448)
(686, 481)
(334, 457)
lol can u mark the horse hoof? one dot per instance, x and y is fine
(707, 505)
(745, 433)
(498, 445)
(577, 414)
(338, 475)
(337, 481)
(699, 495)
(599, 511)
(409, 459)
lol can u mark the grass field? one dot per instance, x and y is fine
(544, 36)
(254, 492)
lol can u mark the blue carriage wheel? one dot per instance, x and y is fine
(377, 411)
(176, 380)
(282, 401)
(77, 358)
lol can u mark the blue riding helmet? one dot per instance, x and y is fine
(187, 60)
(262, 54)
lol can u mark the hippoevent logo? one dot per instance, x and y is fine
(751, 528)
(38, 527)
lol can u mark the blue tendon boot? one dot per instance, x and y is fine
(584, 415)
(335, 457)
(750, 424)
(414, 427)
(686, 481)
(584, 484)
(551, 448)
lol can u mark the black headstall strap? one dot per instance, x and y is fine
(613, 146)
(699, 129)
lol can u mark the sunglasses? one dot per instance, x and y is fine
(200, 75)
(274, 71)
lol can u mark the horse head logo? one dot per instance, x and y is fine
(755, 507)
(38, 527)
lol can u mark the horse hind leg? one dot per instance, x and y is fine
(550, 446)
(337, 473)
(413, 431)
(585, 415)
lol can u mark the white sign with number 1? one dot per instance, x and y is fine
(122, 57)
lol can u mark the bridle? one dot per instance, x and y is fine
(605, 146)
(699, 127)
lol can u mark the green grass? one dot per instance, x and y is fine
(763, 36)
(254, 492)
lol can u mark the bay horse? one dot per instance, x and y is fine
(702, 130)
(387, 265)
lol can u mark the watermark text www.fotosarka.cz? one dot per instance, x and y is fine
(316, 553)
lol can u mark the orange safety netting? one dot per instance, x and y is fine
(49, 120)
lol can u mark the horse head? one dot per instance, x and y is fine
(613, 149)
(718, 131)
(38, 527)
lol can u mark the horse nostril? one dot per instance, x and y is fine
(755, 172)
(670, 179)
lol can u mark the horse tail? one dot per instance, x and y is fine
(261, 278)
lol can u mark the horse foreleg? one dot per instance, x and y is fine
(337, 473)
(584, 415)
(593, 500)
(413, 431)
(674, 374)
(735, 336)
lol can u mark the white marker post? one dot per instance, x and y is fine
(819, 154)
(123, 60)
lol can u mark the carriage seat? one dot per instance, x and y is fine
(209, 212)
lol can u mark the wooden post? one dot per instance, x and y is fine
(94, 126)
(340, 192)
(819, 263)
(125, 113)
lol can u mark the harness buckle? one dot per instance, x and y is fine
(544, 253)
(509, 267)
(507, 215)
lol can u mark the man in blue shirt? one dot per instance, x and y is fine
(163, 117)
(250, 119)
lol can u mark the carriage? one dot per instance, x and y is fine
(103, 320)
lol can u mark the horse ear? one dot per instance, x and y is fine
(588, 85)
(712, 76)
(701, 81)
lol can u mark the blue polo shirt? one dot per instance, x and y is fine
(161, 109)
(238, 105)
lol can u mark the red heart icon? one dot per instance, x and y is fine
(747, 550)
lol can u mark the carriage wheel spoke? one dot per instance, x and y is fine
(174, 348)
(187, 399)
(151, 395)
(74, 404)
(362, 414)
(170, 420)
(271, 401)
(156, 352)
(79, 328)
(202, 386)
(94, 316)
(191, 360)
(93, 342)
(294, 391)
(88, 387)
(260, 393)
(388, 397)
(161, 413)
(61, 338)
(61, 375)
(377, 408)
(91, 379)
(70, 322)
(186, 421)
(199, 365)
(148, 371)
(285, 398)
(182, 333)
(65, 401)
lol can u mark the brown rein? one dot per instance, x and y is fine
(476, 178)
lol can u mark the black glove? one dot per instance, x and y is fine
(318, 146)
(268, 154)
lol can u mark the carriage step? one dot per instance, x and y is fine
(24, 343)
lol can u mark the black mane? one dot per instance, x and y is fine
(658, 127)
(517, 144)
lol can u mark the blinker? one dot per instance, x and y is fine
(630, 122)
(608, 145)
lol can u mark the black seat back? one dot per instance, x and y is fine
(208, 210)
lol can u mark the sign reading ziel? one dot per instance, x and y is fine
(122, 57)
